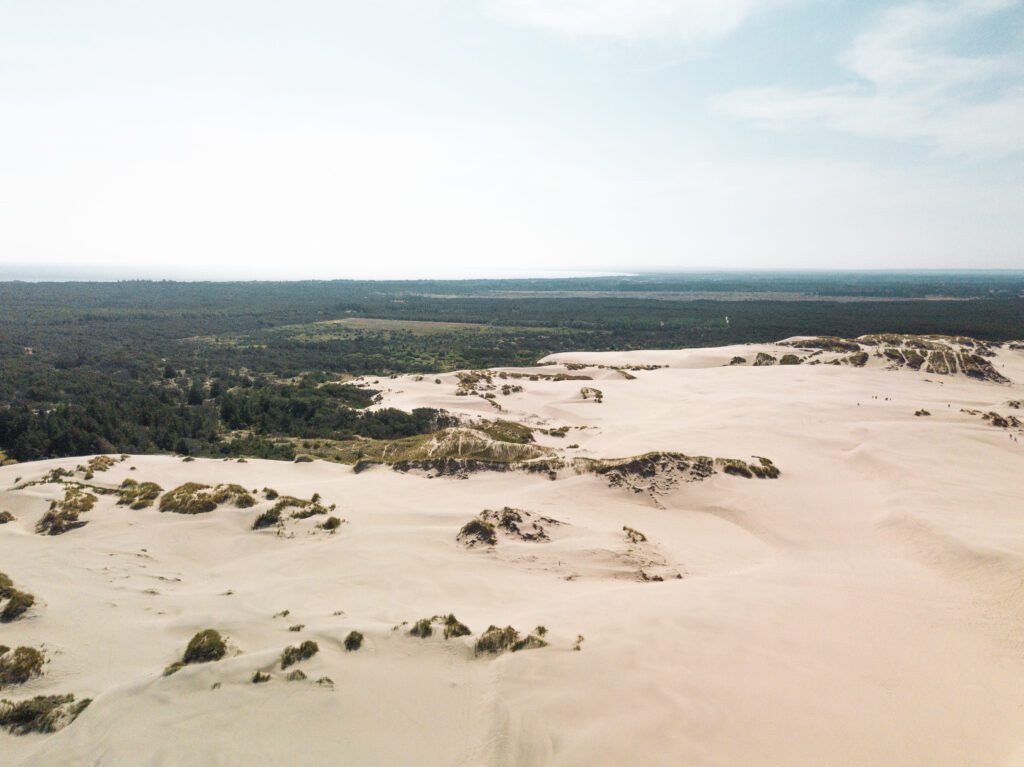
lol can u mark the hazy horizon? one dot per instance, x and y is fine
(465, 136)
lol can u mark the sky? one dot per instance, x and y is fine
(417, 138)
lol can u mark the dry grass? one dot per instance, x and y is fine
(195, 498)
(20, 665)
(292, 655)
(44, 713)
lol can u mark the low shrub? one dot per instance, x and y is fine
(477, 531)
(453, 627)
(20, 665)
(421, 628)
(195, 498)
(138, 495)
(5, 517)
(634, 536)
(17, 605)
(331, 523)
(259, 677)
(268, 518)
(353, 641)
(296, 676)
(206, 646)
(43, 713)
(292, 655)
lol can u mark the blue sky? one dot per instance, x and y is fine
(447, 137)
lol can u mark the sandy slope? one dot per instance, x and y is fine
(864, 609)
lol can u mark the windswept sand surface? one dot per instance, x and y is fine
(865, 608)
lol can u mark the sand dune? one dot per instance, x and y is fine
(864, 608)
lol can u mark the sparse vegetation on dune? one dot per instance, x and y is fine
(205, 647)
(453, 627)
(292, 655)
(764, 359)
(5, 517)
(43, 713)
(495, 641)
(138, 495)
(260, 677)
(477, 531)
(63, 514)
(18, 602)
(19, 665)
(196, 498)
(634, 536)
(422, 628)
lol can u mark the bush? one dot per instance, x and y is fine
(206, 646)
(293, 655)
(194, 498)
(790, 359)
(43, 713)
(259, 677)
(19, 603)
(497, 640)
(138, 495)
(20, 665)
(477, 531)
(331, 523)
(455, 628)
(5, 517)
(269, 493)
(353, 641)
(421, 628)
(62, 515)
(296, 676)
(268, 518)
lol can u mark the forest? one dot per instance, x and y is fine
(220, 368)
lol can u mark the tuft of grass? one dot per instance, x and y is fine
(270, 493)
(195, 498)
(43, 713)
(259, 677)
(790, 359)
(296, 676)
(297, 627)
(138, 495)
(477, 531)
(20, 665)
(496, 640)
(453, 627)
(206, 646)
(763, 360)
(62, 515)
(292, 655)
(634, 536)
(17, 605)
(421, 628)
(738, 361)
(353, 641)
(5, 517)
(921, 412)
(268, 518)
(331, 524)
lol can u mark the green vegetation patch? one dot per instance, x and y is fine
(292, 655)
(195, 498)
(138, 495)
(497, 640)
(205, 647)
(63, 514)
(20, 665)
(353, 641)
(43, 713)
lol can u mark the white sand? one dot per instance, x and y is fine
(866, 608)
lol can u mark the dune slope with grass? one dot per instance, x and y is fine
(803, 553)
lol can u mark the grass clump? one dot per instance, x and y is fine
(259, 677)
(5, 517)
(790, 359)
(634, 536)
(20, 665)
(206, 646)
(353, 641)
(422, 628)
(497, 640)
(763, 360)
(138, 495)
(296, 676)
(195, 498)
(506, 431)
(62, 515)
(270, 493)
(43, 713)
(453, 627)
(268, 518)
(292, 655)
(921, 412)
(18, 603)
(477, 531)
(331, 524)
(738, 361)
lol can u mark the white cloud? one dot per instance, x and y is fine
(910, 85)
(686, 21)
